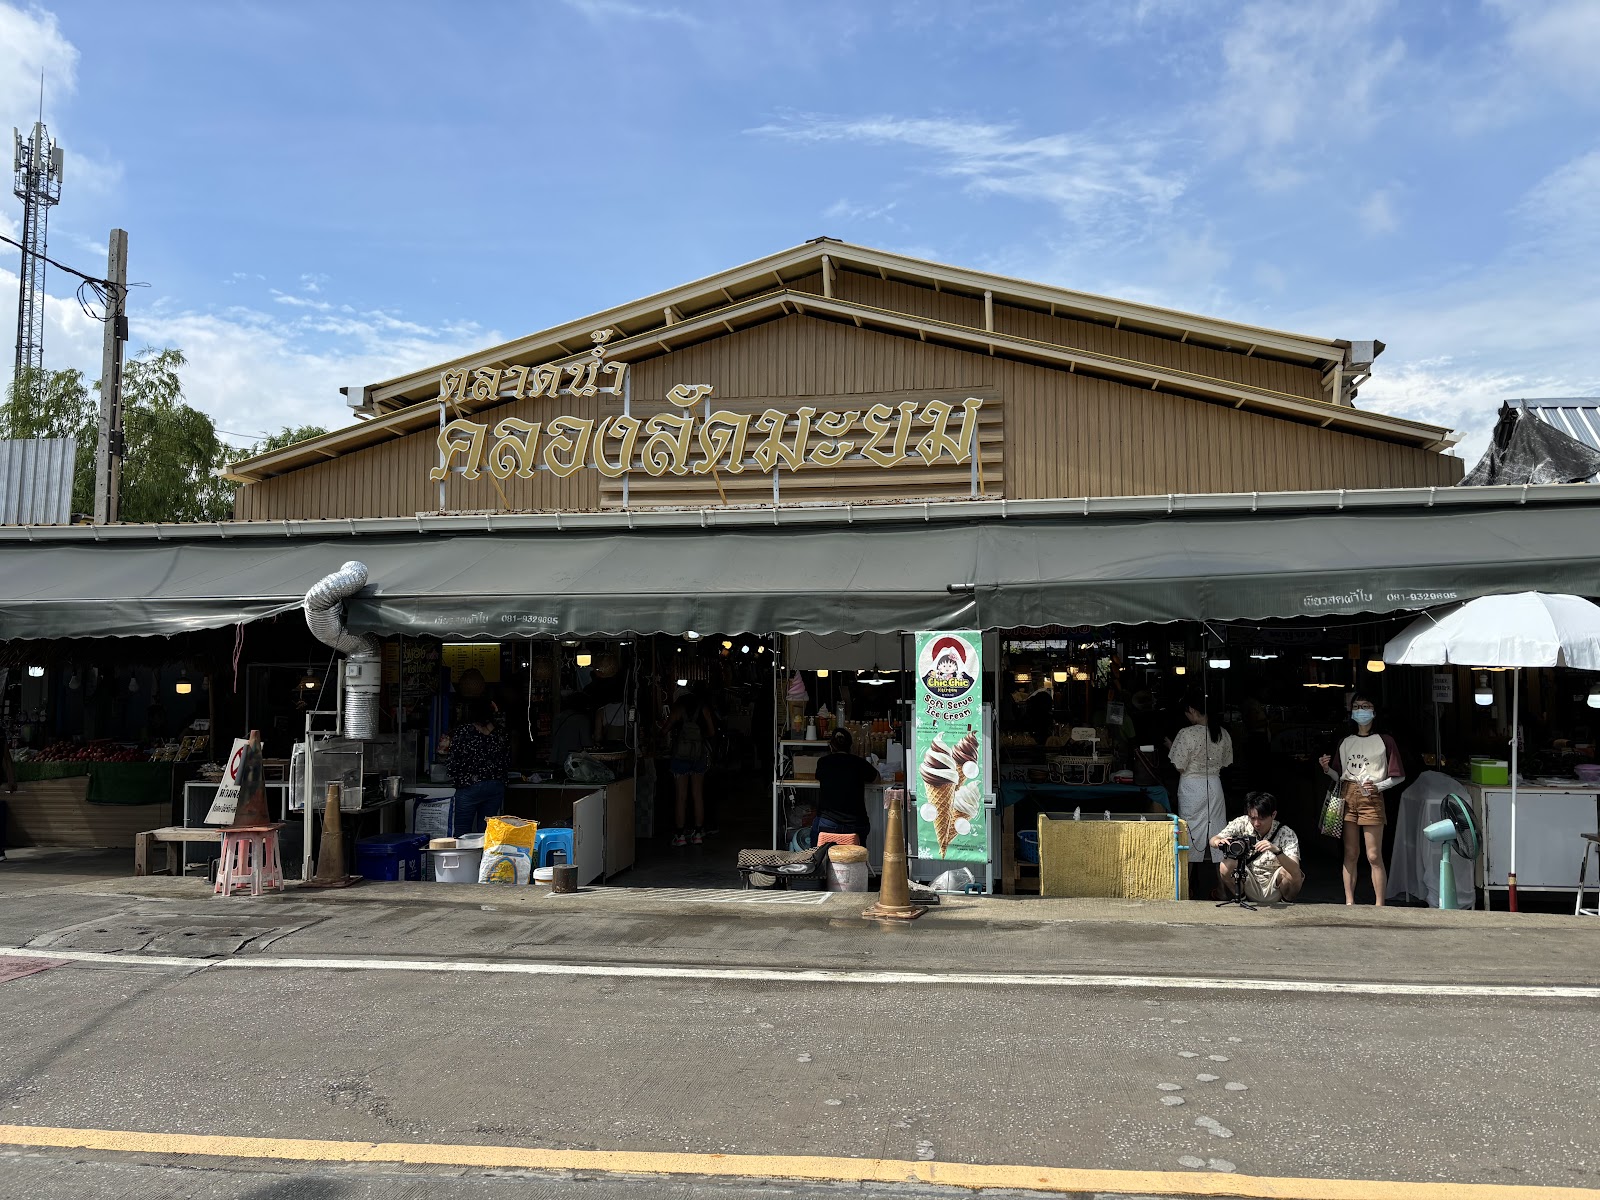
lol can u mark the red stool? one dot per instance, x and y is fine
(249, 858)
(838, 839)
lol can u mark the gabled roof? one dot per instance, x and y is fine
(766, 290)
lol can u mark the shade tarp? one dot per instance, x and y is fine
(875, 577)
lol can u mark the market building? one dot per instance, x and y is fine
(758, 487)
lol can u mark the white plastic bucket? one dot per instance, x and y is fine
(456, 866)
(847, 877)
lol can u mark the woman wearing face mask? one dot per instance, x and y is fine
(1369, 765)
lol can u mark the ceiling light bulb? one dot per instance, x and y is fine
(691, 635)
(761, 649)
(1219, 664)
(745, 649)
(1376, 665)
(1482, 692)
(35, 672)
(1180, 670)
(583, 660)
(683, 683)
(823, 674)
(727, 645)
(1594, 696)
(1059, 676)
(183, 687)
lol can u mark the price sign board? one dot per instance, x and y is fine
(1444, 689)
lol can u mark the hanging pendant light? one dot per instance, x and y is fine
(183, 687)
(1482, 690)
(1594, 696)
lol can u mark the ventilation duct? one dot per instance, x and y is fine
(363, 673)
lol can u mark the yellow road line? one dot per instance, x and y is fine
(776, 1166)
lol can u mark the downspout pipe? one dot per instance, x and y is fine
(363, 672)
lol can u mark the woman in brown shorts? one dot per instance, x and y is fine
(1369, 765)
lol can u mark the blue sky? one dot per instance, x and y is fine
(324, 194)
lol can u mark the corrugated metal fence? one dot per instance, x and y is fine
(36, 480)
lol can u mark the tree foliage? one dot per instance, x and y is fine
(287, 436)
(170, 449)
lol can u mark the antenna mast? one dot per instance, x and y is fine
(38, 186)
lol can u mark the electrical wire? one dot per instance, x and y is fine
(100, 289)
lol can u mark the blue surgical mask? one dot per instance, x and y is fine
(1362, 716)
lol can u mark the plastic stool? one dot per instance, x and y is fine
(547, 840)
(249, 857)
(838, 839)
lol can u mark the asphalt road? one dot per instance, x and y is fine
(1438, 1087)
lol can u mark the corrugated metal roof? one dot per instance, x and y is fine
(36, 480)
(1579, 417)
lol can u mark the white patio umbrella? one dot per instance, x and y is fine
(1524, 629)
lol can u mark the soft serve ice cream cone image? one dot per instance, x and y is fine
(951, 788)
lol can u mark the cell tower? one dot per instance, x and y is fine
(38, 167)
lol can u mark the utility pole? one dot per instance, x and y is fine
(108, 451)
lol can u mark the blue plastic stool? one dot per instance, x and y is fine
(547, 840)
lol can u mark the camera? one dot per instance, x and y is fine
(1241, 848)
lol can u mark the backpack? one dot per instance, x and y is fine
(690, 742)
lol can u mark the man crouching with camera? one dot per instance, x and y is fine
(1260, 854)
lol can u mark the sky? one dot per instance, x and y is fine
(324, 194)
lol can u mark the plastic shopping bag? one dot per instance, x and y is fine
(506, 864)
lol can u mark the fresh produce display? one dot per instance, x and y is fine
(89, 752)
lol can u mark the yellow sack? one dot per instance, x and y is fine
(511, 831)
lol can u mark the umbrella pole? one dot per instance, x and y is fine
(1516, 717)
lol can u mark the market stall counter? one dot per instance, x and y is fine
(85, 803)
(601, 816)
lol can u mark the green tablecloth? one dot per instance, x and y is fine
(109, 783)
(28, 772)
(130, 783)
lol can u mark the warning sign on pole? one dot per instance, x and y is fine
(227, 800)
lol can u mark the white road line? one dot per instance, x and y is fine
(856, 978)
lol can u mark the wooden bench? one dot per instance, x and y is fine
(169, 836)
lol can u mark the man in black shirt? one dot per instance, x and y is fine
(842, 780)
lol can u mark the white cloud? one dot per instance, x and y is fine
(601, 11)
(254, 370)
(1103, 183)
(847, 210)
(1377, 213)
(1295, 74)
(31, 44)
(1555, 42)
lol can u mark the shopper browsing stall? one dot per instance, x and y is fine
(1199, 753)
(690, 729)
(842, 779)
(477, 751)
(1369, 765)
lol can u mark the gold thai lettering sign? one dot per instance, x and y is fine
(680, 443)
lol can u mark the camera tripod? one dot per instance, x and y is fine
(1238, 899)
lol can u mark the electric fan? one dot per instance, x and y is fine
(1458, 827)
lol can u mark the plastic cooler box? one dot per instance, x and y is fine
(1490, 771)
(391, 856)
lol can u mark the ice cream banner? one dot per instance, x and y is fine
(947, 747)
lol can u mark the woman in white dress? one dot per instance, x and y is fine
(1199, 752)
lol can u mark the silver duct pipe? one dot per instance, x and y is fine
(363, 673)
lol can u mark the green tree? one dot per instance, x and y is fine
(61, 407)
(170, 449)
(287, 436)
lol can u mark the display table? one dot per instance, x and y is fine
(1551, 822)
(52, 807)
(601, 816)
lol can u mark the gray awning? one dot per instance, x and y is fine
(827, 576)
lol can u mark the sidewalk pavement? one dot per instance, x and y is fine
(75, 901)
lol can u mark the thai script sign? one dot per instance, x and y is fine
(910, 433)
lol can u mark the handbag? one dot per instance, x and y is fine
(1331, 822)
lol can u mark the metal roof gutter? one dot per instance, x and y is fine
(801, 516)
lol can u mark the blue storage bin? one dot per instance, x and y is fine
(547, 840)
(1028, 846)
(391, 856)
